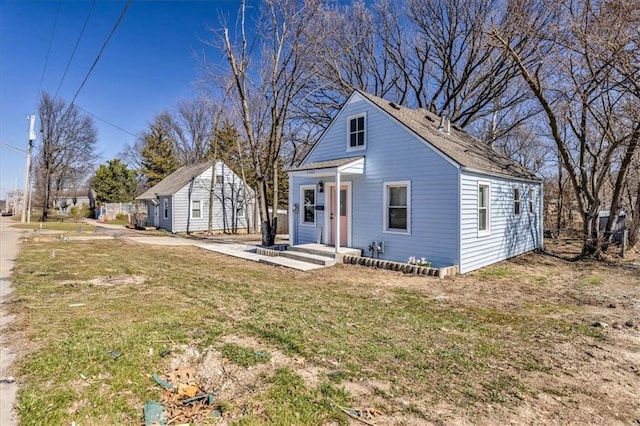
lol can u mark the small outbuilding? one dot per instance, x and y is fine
(180, 202)
(397, 183)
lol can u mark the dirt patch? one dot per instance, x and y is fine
(109, 281)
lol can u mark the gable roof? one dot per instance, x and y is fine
(457, 145)
(175, 181)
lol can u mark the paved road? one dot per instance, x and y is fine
(9, 239)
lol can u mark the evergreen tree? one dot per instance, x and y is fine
(114, 182)
(158, 155)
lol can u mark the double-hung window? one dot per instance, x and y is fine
(484, 212)
(357, 134)
(516, 201)
(165, 205)
(196, 209)
(308, 195)
(397, 207)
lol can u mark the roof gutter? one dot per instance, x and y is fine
(500, 175)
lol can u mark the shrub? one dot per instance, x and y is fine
(122, 216)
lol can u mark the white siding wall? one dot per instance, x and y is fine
(392, 154)
(510, 234)
(229, 190)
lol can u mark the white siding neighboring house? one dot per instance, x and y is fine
(180, 202)
(415, 184)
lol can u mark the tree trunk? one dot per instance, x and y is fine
(592, 245)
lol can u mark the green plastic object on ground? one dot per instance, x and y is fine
(162, 383)
(154, 414)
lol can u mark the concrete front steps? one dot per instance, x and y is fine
(313, 255)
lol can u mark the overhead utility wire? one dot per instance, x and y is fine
(46, 60)
(84, 26)
(105, 121)
(95, 62)
(14, 148)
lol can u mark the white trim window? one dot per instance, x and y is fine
(308, 198)
(356, 134)
(397, 207)
(484, 208)
(516, 201)
(165, 207)
(532, 200)
(196, 209)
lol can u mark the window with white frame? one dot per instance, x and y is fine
(308, 196)
(196, 209)
(240, 211)
(516, 201)
(532, 200)
(397, 207)
(165, 205)
(357, 136)
(484, 212)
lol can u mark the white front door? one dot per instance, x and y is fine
(344, 214)
(156, 215)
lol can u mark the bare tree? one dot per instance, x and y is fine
(67, 149)
(191, 127)
(266, 87)
(578, 81)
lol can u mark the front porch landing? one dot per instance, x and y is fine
(326, 250)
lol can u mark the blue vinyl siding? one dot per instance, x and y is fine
(510, 234)
(392, 154)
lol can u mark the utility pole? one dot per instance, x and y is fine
(26, 190)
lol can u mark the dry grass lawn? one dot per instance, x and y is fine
(534, 340)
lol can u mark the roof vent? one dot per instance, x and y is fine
(394, 106)
(445, 124)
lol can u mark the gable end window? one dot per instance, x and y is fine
(308, 196)
(516, 201)
(165, 205)
(356, 132)
(484, 212)
(397, 207)
(196, 209)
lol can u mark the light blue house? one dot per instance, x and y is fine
(412, 185)
(180, 202)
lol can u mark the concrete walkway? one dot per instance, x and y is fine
(9, 241)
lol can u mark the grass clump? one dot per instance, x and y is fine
(242, 356)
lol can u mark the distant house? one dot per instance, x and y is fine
(412, 185)
(180, 202)
(77, 198)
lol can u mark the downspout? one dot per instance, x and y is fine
(337, 213)
(541, 216)
(459, 221)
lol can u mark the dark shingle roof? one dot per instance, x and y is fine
(458, 145)
(175, 181)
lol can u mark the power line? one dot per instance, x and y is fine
(105, 121)
(104, 45)
(14, 148)
(46, 61)
(84, 26)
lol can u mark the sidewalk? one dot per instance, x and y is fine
(9, 245)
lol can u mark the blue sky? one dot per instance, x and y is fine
(149, 64)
